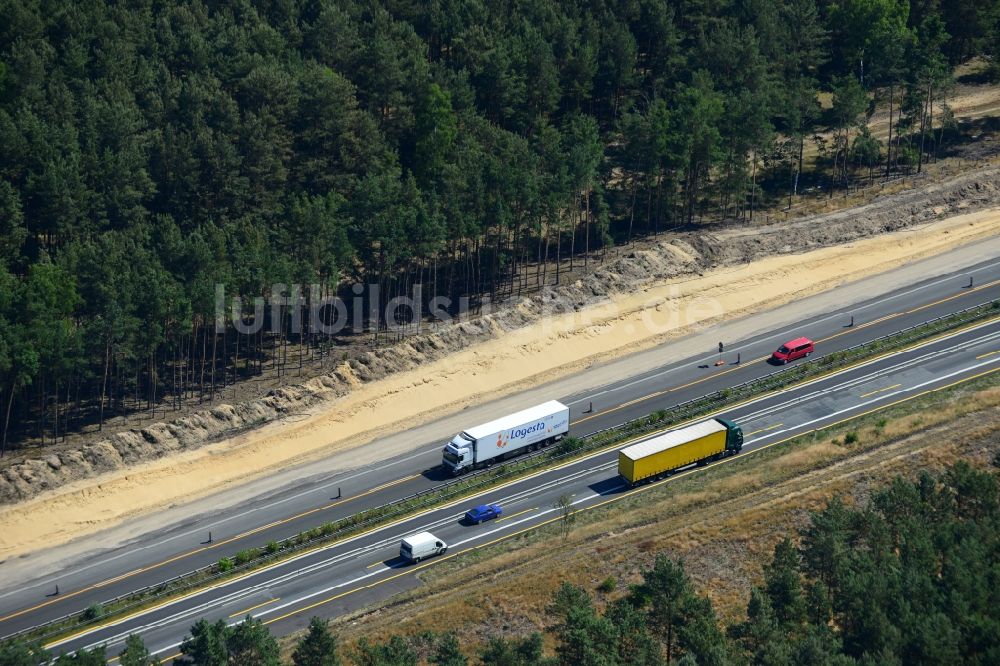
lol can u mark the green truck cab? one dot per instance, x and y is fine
(698, 443)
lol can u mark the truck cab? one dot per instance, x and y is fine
(458, 454)
(734, 437)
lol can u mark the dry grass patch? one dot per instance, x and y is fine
(723, 522)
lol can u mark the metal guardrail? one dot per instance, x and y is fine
(673, 414)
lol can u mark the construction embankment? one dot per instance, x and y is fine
(641, 298)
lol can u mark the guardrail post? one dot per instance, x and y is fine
(675, 412)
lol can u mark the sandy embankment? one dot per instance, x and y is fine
(551, 347)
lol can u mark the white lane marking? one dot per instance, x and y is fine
(382, 542)
(203, 526)
(743, 347)
(881, 398)
(864, 379)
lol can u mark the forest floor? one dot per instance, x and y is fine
(641, 300)
(723, 522)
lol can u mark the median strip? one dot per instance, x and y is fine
(249, 560)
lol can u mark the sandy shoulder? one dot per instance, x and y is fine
(555, 346)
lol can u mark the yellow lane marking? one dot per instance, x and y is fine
(755, 432)
(656, 394)
(629, 494)
(852, 329)
(634, 439)
(515, 515)
(645, 488)
(253, 608)
(581, 420)
(964, 291)
(182, 556)
(987, 354)
(881, 390)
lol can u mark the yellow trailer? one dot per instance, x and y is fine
(698, 443)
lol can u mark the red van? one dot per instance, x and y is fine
(792, 350)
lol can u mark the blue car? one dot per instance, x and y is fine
(482, 512)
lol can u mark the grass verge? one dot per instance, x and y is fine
(247, 561)
(722, 520)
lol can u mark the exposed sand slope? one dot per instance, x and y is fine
(550, 347)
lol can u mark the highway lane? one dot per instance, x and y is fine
(344, 577)
(177, 549)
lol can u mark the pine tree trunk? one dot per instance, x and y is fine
(6, 421)
(888, 143)
(558, 247)
(545, 255)
(215, 345)
(572, 235)
(204, 359)
(631, 215)
(104, 385)
(923, 128)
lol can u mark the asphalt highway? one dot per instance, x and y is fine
(184, 546)
(346, 576)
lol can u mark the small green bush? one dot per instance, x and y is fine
(850, 438)
(245, 555)
(93, 612)
(608, 585)
(568, 445)
(225, 564)
(272, 547)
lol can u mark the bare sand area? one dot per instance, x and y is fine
(552, 346)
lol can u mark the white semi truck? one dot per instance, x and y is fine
(506, 437)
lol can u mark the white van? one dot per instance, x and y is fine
(417, 547)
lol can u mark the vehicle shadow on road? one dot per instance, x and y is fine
(438, 474)
(612, 486)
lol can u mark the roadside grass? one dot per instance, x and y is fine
(249, 560)
(722, 520)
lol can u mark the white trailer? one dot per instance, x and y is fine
(417, 547)
(506, 437)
